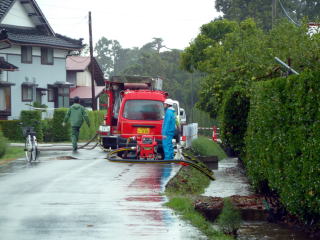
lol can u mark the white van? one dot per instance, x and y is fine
(183, 116)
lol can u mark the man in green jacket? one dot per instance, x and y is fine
(77, 114)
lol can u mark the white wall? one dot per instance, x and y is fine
(17, 16)
(41, 74)
(36, 51)
(84, 78)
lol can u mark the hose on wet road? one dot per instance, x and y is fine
(183, 162)
(111, 158)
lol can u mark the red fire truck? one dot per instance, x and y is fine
(134, 116)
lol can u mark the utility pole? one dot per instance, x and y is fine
(93, 99)
(191, 97)
(274, 11)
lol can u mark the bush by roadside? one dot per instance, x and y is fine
(229, 220)
(12, 153)
(12, 130)
(233, 118)
(96, 119)
(205, 147)
(33, 119)
(282, 142)
(59, 132)
(3, 144)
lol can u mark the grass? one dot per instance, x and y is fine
(206, 147)
(189, 181)
(184, 207)
(182, 190)
(12, 153)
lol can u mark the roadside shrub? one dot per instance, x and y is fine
(33, 119)
(233, 119)
(282, 141)
(11, 130)
(47, 126)
(59, 132)
(206, 147)
(96, 119)
(229, 220)
(3, 144)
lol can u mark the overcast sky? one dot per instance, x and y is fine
(132, 22)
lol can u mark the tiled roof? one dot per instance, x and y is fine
(32, 36)
(85, 92)
(5, 66)
(77, 63)
(4, 6)
(81, 63)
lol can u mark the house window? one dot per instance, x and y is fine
(50, 94)
(26, 54)
(27, 93)
(39, 96)
(47, 56)
(5, 99)
(63, 97)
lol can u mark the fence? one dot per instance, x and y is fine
(190, 131)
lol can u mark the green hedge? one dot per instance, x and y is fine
(59, 132)
(47, 128)
(33, 119)
(3, 144)
(50, 130)
(12, 130)
(206, 147)
(283, 141)
(96, 119)
(233, 119)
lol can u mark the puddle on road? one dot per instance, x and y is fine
(64, 158)
(151, 220)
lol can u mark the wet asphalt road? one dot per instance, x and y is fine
(87, 198)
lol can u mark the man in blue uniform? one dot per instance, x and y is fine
(168, 129)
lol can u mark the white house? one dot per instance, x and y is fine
(37, 56)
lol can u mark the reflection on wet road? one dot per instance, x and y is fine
(87, 198)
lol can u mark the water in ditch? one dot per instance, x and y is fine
(231, 180)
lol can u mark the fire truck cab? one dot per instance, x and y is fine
(135, 112)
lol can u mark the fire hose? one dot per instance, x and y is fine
(183, 162)
(109, 157)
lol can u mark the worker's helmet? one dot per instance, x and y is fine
(169, 101)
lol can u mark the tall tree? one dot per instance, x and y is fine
(244, 55)
(107, 52)
(151, 60)
(261, 10)
(155, 45)
(239, 10)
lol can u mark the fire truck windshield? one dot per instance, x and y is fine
(143, 110)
